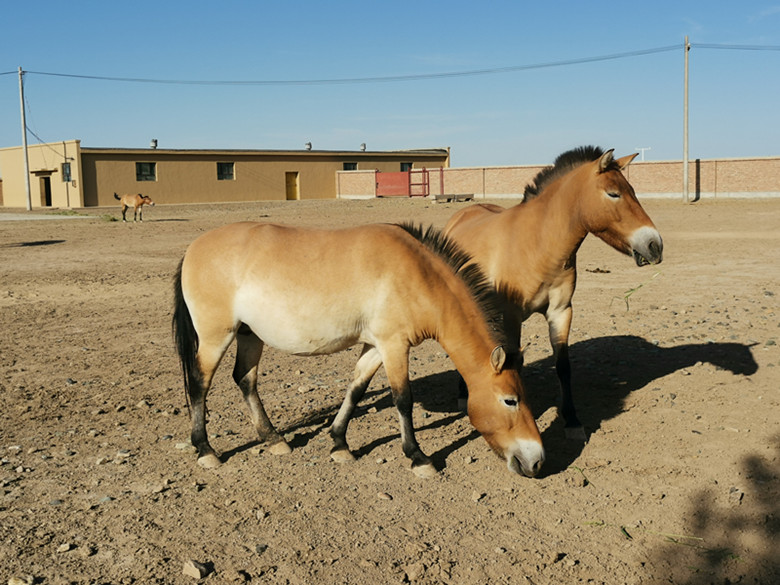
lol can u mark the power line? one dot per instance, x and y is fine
(384, 79)
(401, 78)
(736, 47)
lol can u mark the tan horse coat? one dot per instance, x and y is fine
(136, 201)
(307, 292)
(528, 252)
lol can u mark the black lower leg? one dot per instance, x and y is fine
(338, 430)
(404, 403)
(563, 369)
(198, 437)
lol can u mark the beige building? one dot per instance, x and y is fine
(65, 174)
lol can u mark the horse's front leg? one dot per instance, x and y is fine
(559, 323)
(367, 365)
(397, 368)
(249, 349)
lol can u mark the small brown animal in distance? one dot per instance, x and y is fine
(136, 201)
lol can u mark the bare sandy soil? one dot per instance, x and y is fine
(676, 372)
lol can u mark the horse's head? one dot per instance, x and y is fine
(146, 200)
(610, 210)
(498, 410)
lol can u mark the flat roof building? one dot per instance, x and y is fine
(65, 174)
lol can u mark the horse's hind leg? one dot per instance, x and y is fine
(124, 211)
(208, 358)
(249, 349)
(366, 367)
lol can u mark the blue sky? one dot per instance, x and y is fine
(523, 116)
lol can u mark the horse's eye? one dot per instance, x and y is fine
(613, 194)
(510, 402)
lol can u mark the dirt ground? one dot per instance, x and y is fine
(676, 373)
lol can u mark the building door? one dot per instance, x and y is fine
(45, 184)
(293, 190)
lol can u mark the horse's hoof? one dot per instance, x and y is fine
(575, 433)
(426, 471)
(280, 448)
(342, 456)
(209, 461)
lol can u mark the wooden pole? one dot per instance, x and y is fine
(24, 140)
(686, 195)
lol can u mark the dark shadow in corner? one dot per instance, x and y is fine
(735, 542)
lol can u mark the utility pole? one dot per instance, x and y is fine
(686, 198)
(24, 140)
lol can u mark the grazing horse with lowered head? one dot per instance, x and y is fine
(312, 292)
(136, 201)
(528, 251)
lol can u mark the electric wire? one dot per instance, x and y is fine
(381, 79)
(410, 77)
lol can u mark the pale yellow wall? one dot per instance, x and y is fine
(191, 177)
(45, 160)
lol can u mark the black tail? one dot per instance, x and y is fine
(185, 336)
(117, 197)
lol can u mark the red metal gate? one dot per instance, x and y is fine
(412, 183)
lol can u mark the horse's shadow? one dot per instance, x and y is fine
(606, 371)
(34, 244)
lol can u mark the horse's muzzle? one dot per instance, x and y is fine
(527, 459)
(647, 247)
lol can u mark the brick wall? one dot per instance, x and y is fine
(743, 177)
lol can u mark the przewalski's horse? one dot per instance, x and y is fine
(528, 251)
(311, 292)
(136, 201)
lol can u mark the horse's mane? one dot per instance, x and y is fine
(565, 162)
(469, 272)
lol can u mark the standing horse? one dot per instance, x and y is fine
(136, 201)
(528, 251)
(312, 292)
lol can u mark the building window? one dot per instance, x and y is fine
(407, 166)
(225, 171)
(66, 172)
(350, 166)
(146, 171)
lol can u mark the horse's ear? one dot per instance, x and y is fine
(624, 161)
(606, 160)
(498, 359)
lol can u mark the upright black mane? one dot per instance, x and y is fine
(469, 272)
(565, 162)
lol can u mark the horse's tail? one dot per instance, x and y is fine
(185, 336)
(117, 197)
